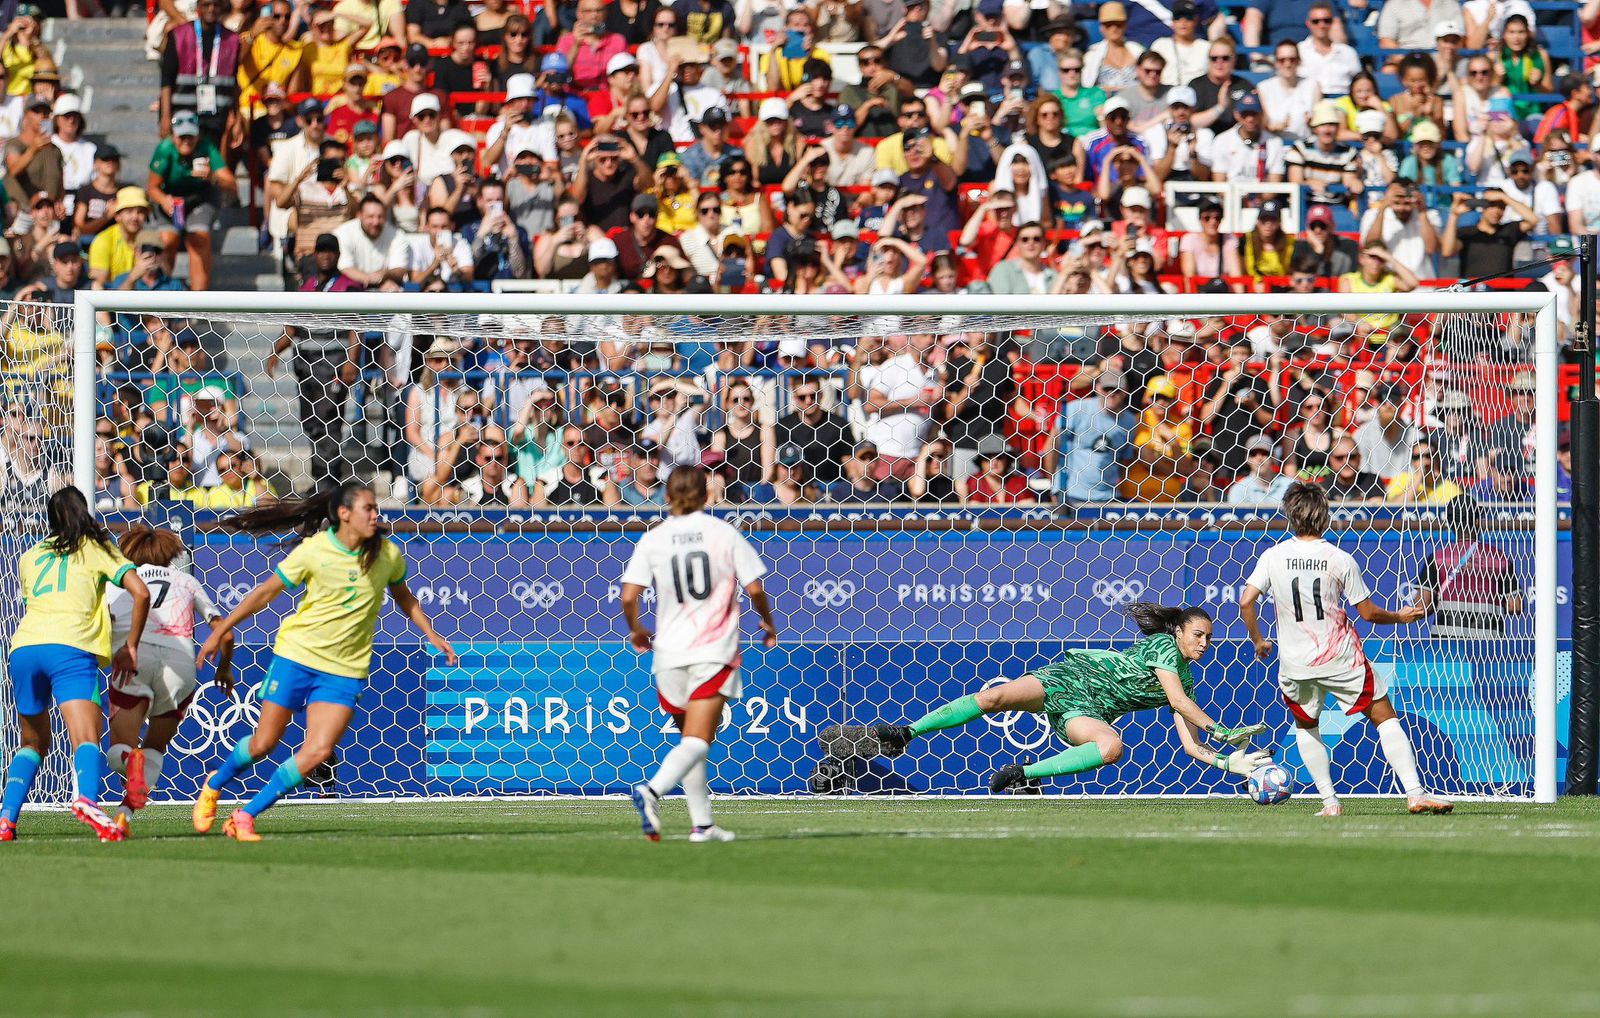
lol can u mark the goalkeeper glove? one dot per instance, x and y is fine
(1239, 738)
(1242, 762)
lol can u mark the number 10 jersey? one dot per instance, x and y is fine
(698, 565)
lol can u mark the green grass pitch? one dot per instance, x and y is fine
(823, 907)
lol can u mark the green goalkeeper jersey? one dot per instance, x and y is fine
(1107, 684)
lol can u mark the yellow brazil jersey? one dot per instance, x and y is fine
(332, 630)
(65, 598)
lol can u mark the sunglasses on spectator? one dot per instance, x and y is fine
(1220, 58)
(1288, 60)
(1321, 21)
(638, 114)
(516, 34)
(1071, 68)
(869, 60)
(496, 458)
(711, 210)
(419, 115)
(1478, 72)
(1032, 238)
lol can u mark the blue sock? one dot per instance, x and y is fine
(19, 782)
(237, 762)
(284, 780)
(88, 764)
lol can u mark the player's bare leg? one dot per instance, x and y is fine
(1094, 744)
(1402, 760)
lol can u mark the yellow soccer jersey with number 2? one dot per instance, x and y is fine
(66, 597)
(333, 628)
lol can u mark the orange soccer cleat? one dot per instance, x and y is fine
(85, 810)
(205, 808)
(8, 830)
(137, 793)
(241, 827)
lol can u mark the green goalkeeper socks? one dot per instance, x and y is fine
(1079, 758)
(951, 715)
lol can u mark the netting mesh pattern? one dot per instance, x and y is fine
(944, 502)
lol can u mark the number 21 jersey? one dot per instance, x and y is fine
(1311, 583)
(698, 565)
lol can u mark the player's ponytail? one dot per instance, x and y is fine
(306, 517)
(144, 545)
(71, 523)
(1154, 618)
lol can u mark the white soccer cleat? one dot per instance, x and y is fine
(645, 800)
(713, 833)
(1428, 804)
(1331, 810)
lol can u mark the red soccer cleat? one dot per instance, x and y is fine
(241, 827)
(137, 795)
(8, 830)
(85, 810)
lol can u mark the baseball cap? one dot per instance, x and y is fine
(521, 86)
(1111, 379)
(716, 116)
(773, 108)
(1015, 68)
(844, 116)
(1427, 130)
(309, 106)
(601, 249)
(357, 70)
(620, 62)
(1271, 208)
(1448, 27)
(66, 251)
(1261, 443)
(185, 124)
(1521, 155)
(1501, 105)
(973, 90)
(1371, 122)
(417, 55)
(845, 229)
(1114, 104)
(1182, 95)
(37, 102)
(396, 149)
(991, 8)
(885, 178)
(109, 153)
(915, 134)
(274, 90)
(1112, 11)
(1184, 9)
(554, 63)
(1058, 26)
(327, 243)
(645, 203)
(1319, 214)
(363, 128)
(722, 49)
(424, 102)
(1137, 197)
(67, 104)
(1247, 103)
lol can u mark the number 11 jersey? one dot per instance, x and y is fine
(1312, 583)
(698, 565)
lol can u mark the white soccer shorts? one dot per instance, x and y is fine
(1353, 692)
(675, 687)
(166, 678)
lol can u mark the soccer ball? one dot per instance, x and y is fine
(1270, 784)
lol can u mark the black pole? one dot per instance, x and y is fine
(1583, 742)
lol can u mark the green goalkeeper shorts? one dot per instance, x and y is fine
(1066, 694)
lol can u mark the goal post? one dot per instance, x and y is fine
(885, 612)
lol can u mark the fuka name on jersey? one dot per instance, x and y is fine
(690, 537)
(1312, 564)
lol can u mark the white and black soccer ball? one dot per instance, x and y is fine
(1270, 784)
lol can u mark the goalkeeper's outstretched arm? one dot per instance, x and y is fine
(1239, 762)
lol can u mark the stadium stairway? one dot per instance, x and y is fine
(105, 60)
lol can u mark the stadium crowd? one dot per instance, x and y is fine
(881, 147)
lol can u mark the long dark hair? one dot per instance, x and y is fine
(1154, 618)
(71, 523)
(307, 517)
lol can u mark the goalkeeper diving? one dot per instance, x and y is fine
(1083, 694)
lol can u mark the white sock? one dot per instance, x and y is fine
(1314, 754)
(153, 759)
(698, 792)
(688, 752)
(1397, 750)
(117, 757)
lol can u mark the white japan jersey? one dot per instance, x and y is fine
(177, 604)
(1312, 584)
(697, 564)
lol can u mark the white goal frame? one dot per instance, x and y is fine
(1539, 303)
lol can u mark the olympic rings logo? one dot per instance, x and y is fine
(829, 593)
(539, 594)
(230, 594)
(205, 727)
(1114, 592)
(1012, 723)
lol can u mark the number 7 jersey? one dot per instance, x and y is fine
(698, 565)
(1312, 583)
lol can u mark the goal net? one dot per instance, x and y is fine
(949, 492)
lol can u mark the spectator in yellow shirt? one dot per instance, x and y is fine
(1423, 483)
(784, 67)
(328, 53)
(271, 56)
(113, 252)
(236, 490)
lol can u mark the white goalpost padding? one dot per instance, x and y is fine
(887, 636)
